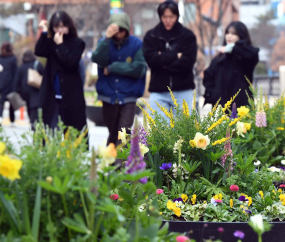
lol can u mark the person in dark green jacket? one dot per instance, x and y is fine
(121, 70)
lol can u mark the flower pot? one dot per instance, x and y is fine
(206, 230)
(95, 114)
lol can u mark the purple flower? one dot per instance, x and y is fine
(239, 234)
(248, 211)
(143, 136)
(242, 198)
(165, 166)
(256, 170)
(221, 230)
(135, 160)
(234, 111)
(282, 168)
(178, 199)
(143, 180)
(205, 225)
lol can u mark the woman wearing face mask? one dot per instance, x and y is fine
(61, 92)
(226, 74)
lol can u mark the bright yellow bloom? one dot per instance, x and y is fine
(220, 141)
(2, 147)
(280, 128)
(122, 136)
(274, 192)
(10, 168)
(202, 141)
(235, 121)
(164, 110)
(193, 143)
(214, 125)
(193, 199)
(249, 201)
(229, 103)
(49, 179)
(242, 111)
(172, 97)
(231, 203)
(149, 118)
(120, 199)
(218, 197)
(172, 206)
(197, 126)
(194, 101)
(177, 211)
(280, 190)
(215, 108)
(261, 193)
(171, 119)
(247, 126)
(241, 206)
(160, 213)
(148, 106)
(185, 108)
(143, 149)
(80, 137)
(282, 199)
(184, 197)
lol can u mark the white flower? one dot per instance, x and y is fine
(122, 136)
(177, 145)
(213, 201)
(274, 169)
(241, 129)
(202, 141)
(143, 149)
(178, 204)
(283, 162)
(257, 163)
(257, 222)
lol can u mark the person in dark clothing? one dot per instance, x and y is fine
(61, 92)
(28, 93)
(8, 69)
(170, 51)
(226, 74)
(121, 72)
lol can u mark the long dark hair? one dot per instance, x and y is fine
(61, 16)
(240, 30)
(7, 49)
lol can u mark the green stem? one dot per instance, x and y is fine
(134, 188)
(137, 226)
(276, 145)
(92, 211)
(66, 213)
(98, 226)
(48, 206)
(1, 216)
(259, 237)
(85, 210)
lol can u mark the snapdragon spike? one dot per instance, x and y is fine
(260, 119)
(228, 149)
(143, 136)
(234, 111)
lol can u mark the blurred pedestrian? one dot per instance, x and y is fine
(170, 51)
(61, 93)
(121, 74)
(29, 93)
(226, 74)
(8, 69)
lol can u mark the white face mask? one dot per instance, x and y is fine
(1, 68)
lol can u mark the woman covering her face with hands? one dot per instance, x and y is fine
(61, 92)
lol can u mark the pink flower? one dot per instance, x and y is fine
(114, 196)
(282, 185)
(218, 201)
(234, 188)
(260, 119)
(220, 230)
(182, 238)
(159, 191)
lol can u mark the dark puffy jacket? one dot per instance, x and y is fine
(8, 73)
(160, 50)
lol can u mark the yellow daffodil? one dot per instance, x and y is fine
(122, 136)
(10, 168)
(247, 126)
(231, 203)
(202, 141)
(242, 111)
(241, 129)
(184, 197)
(192, 143)
(193, 199)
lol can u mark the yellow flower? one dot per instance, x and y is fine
(10, 168)
(242, 111)
(185, 108)
(194, 101)
(197, 126)
(235, 120)
(282, 199)
(184, 197)
(68, 154)
(49, 179)
(143, 149)
(249, 201)
(215, 108)
(173, 98)
(241, 206)
(122, 136)
(231, 203)
(120, 199)
(2, 147)
(148, 106)
(261, 193)
(247, 126)
(146, 197)
(202, 141)
(280, 190)
(228, 104)
(160, 213)
(80, 137)
(214, 125)
(170, 205)
(193, 199)
(241, 129)
(171, 118)
(164, 110)
(220, 141)
(146, 114)
(219, 196)
(177, 211)
(280, 128)
(274, 192)
(192, 143)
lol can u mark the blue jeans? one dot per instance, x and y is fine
(164, 99)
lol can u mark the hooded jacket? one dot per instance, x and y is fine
(160, 50)
(125, 63)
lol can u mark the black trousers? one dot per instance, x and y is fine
(33, 115)
(11, 110)
(117, 117)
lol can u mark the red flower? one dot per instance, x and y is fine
(159, 191)
(182, 238)
(234, 188)
(282, 185)
(114, 196)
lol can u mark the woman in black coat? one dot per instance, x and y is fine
(226, 74)
(8, 69)
(61, 92)
(29, 94)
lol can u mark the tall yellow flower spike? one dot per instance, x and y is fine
(163, 109)
(172, 97)
(149, 118)
(235, 121)
(148, 106)
(229, 103)
(215, 108)
(194, 101)
(220, 141)
(171, 119)
(214, 125)
(185, 108)
(197, 126)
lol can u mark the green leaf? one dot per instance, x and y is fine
(37, 210)
(49, 187)
(158, 177)
(76, 224)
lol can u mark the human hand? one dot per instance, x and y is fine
(106, 73)
(179, 55)
(58, 38)
(43, 25)
(222, 49)
(112, 30)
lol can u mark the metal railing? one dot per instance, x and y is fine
(270, 85)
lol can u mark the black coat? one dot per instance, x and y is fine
(29, 94)
(7, 76)
(226, 75)
(63, 60)
(166, 68)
